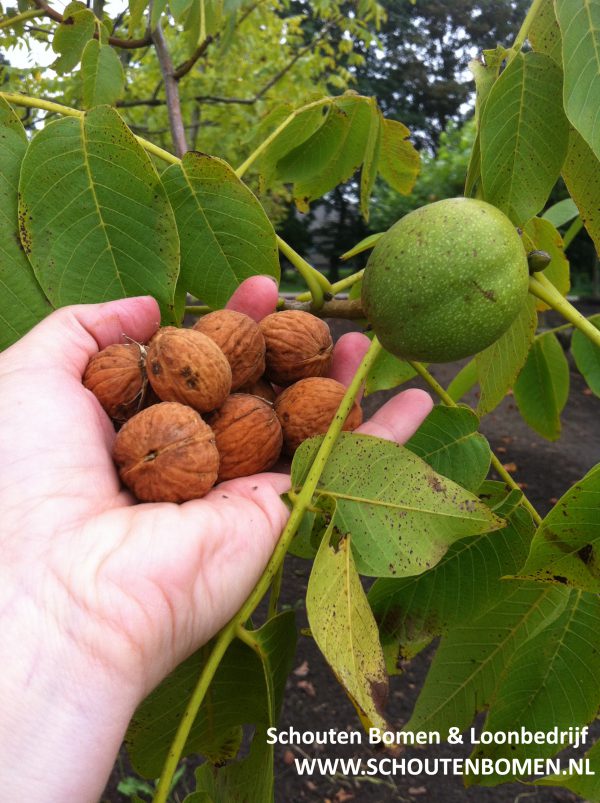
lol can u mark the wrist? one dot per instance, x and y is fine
(62, 720)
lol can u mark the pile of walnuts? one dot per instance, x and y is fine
(198, 406)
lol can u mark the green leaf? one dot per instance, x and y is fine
(402, 516)
(22, 302)
(225, 234)
(136, 12)
(587, 356)
(473, 657)
(586, 786)
(158, 7)
(96, 223)
(388, 372)
(542, 389)
(553, 681)
(298, 130)
(581, 173)
(544, 32)
(565, 546)
(102, 73)
(499, 365)
(524, 135)
(579, 22)
(544, 237)
(485, 72)
(179, 8)
(449, 441)
(245, 690)
(364, 245)
(246, 781)
(371, 160)
(399, 161)
(465, 583)
(562, 212)
(71, 36)
(464, 380)
(343, 626)
(334, 152)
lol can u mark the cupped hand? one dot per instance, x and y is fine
(101, 596)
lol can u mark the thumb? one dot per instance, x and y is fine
(68, 337)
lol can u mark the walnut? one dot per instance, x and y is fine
(117, 378)
(167, 453)
(298, 345)
(240, 340)
(248, 435)
(261, 388)
(186, 366)
(307, 409)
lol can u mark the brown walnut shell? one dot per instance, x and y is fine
(307, 409)
(248, 435)
(188, 367)
(298, 344)
(117, 378)
(167, 453)
(261, 388)
(240, 340)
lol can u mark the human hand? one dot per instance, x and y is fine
(101, 596)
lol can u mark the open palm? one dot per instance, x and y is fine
(105, 595)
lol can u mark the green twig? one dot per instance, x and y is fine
(302, 500)
(315, 281)
(337, 287)
(500, 470)
(275, 592)
(12, 22)
(202, 309)
(542, 288)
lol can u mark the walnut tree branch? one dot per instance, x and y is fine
(171, 91)
(184, 68)
(130, 44)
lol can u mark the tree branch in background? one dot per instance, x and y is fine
(131, 44)
(171, 91)
(184, 68)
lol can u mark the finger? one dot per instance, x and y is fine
(348, 354)
(399, 419)
(256, 297)
(67, 338)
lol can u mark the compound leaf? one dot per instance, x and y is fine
(22, 302)
(524, 135)
(542, 388)
(402, 516)
(102, 73)
(449, 441)
(587, 356)
(499, 365)
(343, 627)
(566, 547)
(579, 22)
(95, 220)
(225, 234)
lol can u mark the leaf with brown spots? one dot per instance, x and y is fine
(343, 626)
(402, 515)
(567, 544)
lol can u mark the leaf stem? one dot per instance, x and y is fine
(11, 22)
(265, 143)
(337, 287)
(316, 282)
(275, 592)
(542, 288)
(50, 106)
(302, 500)
(499, 468)
(524, 29)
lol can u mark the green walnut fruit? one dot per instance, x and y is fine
(445, 281)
